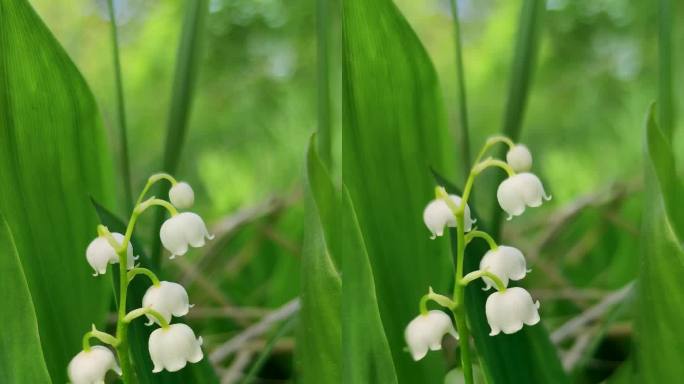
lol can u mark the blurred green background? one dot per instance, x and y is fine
(255, 107)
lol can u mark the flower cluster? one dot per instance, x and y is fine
(507, 309)
(171, 346)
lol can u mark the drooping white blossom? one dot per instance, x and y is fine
(519, 158)
(173, 347)
(183, 230)
(100, 253)
(507, 311)
(437, 215)
(507, 263)
(426, 332)
(181, 195)
(90, 367)
(519, 191)
(168, 299)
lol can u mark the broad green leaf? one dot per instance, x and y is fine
(366, 354)
(139, 333)
(185, 77)
(319, 336)
(52, 157)
(21, 356)
(660, 303)
(394, 130)
(526, 356)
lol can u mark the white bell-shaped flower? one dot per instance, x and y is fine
(519, 158)
(173, 347)
(519, 191)
(181, 195)
(90, 367)
(184, 229)
(507, 311)
(437, 215)
(168, 299)
(100, 253)
(507, 263)
(426, 332)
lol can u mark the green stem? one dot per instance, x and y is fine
(122, 349)
(143, 271)
(134, 314)
(102, 336)
(483, 235)
(467, 279)
(123, 140)
(459, 299)
(153, 179)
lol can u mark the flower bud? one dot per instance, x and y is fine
(437, 214)
(100, 253)
(181, 195)
(519, 158)
(507, 311)
(184, 229)
(507, 263)
(168, 299)
(518, 191)
(90, 367)
(173, 347)
(426, 332)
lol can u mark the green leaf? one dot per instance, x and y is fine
(21, 356)
(139, 333)
(671, 188)
(52, 157)
(660, 342)
(366, 353)
(665, 62)
(319, 336)
(527, 356)
(185, 77)
(394, 130)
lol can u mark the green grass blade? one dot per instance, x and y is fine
(366, 353)
(462, 100)
(124, 160)
(52, 157)
(319, 335)
(665, 61)
(660, 303)
(21, 356)
(393, 131)
(522, 69)
(187, 68)
(323, 25)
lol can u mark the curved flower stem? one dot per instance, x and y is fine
(474, 275)
(134, 314)
(140, 208)
(143, 271)
(102, 336)
(459, 298)
(153, 179)
(437, 298)
(493, 140)
(483, 235)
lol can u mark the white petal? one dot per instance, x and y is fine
(510, 197)
(168, 298)
(173, 347)
(514, 260)
(91, 366)
(172, 235)
(100, 253)
(195, 229)
(519, 158)
(507, 311)
(531, 189)
(436, 216)
(426, 332)
(130, 259)
(181, 195)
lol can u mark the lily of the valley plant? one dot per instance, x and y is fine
(171, 346)
(507, 309)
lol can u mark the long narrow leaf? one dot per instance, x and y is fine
(462, 101)
(52, 157)
(665, 64)
(21, 356)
